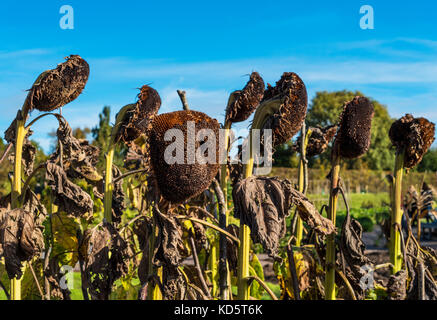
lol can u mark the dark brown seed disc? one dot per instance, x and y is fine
(57, 87)
(353, 136)
(178, 182)
(291, 93)
(242, 103)
(414, 135)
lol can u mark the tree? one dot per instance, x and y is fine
(429, 161)
(325, 109)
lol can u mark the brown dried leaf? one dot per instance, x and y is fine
(352, 250)
(396, 286)
(414, 135)
(308, 212)
(261, 204)
(118, 195)
(106, 257)
(20, 238)
(53, 275)
(69, 197)
(169, 244)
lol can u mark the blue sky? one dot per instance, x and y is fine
(208, 48)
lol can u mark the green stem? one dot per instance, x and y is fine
(20, 135)
(223, 220)
(244, 236)
(108, 184)
(301, 179)
(396, 218)
(330, 240)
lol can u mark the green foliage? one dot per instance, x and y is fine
(429, 161)
(101, 134)
(285, 156)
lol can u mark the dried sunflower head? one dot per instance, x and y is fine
(242, 103)
(318, 141)
(353, 136)
(283, 108)
(134, 119)
(413, 135)
(186, 174)
(57, 87)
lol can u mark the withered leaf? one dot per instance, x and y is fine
(396, 287)
(20, 238)
(79, 157)
(308, 212)
(106, 257)
(352, 250)
(54, 275)
(261, 204)
(69, 197)
(318, 141)
(169, 244)
(118, 195)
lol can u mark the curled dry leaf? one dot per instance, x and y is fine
(118, 195)
(308, 212)
(232, 247)
(396, 286)
(54, 275)
(242, 103)
(262, 203)
(142, 228)
(80, 158)
(173, 283)
(416, 255)
(69, 197)
(106, 257)
(185, 167)
(353, 136)
(21, 239)
(352, 250)
(318, 141)
(413, 135)
(169, 244)
(134, 119)
(289, 97)
(57, 87)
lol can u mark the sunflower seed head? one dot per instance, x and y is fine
(242, 103)
(354, 133)
(178, 182)
(413, 135)
(291, 96)
(57, 87)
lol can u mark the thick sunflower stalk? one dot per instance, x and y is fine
(283, 110)
(352, 141)
(412, 138)
(51, 90)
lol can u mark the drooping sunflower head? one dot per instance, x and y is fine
(283, 108)
(57, 87)
(414, 136)
(242, 103)
(354, 133)
(184, 153)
